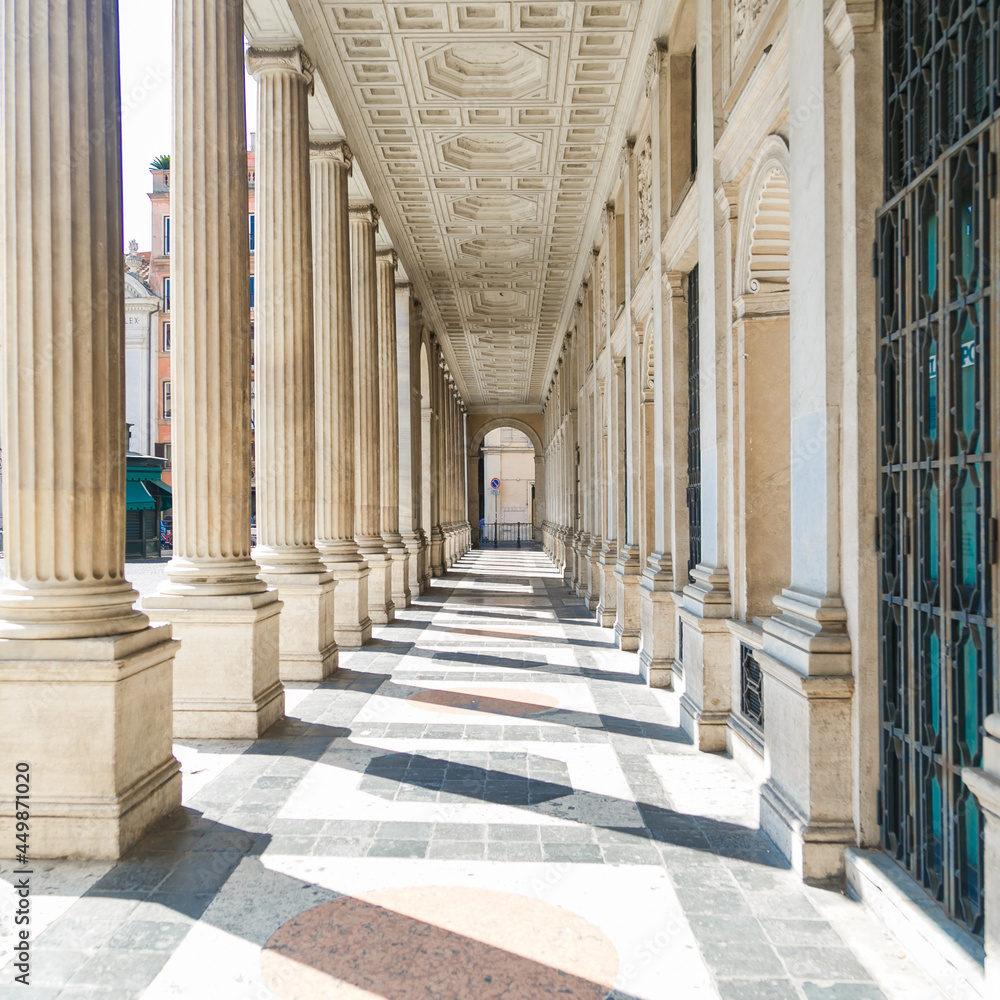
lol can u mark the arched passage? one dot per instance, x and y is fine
(476, 438)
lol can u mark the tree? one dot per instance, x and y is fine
(161, 162)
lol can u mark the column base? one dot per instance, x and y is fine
(436, 554)
(308, 649)
(608, 594)
(352, 627)
(627, 598)
(808, 686)
(416, 547)
(226, 671)
(657, 622)
(381, 609)
(70, 707)
(707, 699)
(399, 586)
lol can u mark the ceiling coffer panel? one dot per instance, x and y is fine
(487, 133)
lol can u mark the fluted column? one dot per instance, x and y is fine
(82, 673)
(285, 370)
(226, 672)
(408, 422)
(434, 460)
(385, 262)
(330, 168)
(367, 414)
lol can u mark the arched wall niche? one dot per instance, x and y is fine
(762, 244)
(761, 348)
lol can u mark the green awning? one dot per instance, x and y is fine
(137, 497)
(158, 488)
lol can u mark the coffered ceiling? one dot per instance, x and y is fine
(487, 134)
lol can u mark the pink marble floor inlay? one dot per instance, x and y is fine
(438, 943)
(494, 701)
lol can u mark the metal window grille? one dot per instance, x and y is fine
(751, 687)
(937, 438)
(694, 428)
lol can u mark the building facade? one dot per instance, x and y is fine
(726, 263)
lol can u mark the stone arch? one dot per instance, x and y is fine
(762, 245)
(491, 425)
(475, 443)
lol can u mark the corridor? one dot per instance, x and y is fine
(483, 803)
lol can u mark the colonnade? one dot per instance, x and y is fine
(97, 689)
(699, 497)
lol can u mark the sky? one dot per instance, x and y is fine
(146, 61)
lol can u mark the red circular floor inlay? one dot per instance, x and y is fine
(494, 701)
(438, 943)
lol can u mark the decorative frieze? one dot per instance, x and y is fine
(644, 185)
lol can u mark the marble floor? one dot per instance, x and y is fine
(484, 804)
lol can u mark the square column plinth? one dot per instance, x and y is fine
(308, 649)
(226, 682)
(352, 627)
(91, 719)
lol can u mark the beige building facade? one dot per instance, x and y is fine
(724, 263)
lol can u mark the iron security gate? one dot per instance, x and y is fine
(694, 427)
(937, 363)
(507, 536)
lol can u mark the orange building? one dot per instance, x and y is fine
(159, 281)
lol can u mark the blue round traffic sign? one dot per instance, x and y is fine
(495, 483)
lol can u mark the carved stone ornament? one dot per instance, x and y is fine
(602, 291)
(337, 151)
(745, 16)
(288, 59)
(644, 182)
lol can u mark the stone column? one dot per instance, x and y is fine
(984, 783)
(82, 674)
(226, 671)
(330, 168)
(367, 422)
(284, 367)
(385, 264)
(436, 546)
(408, 421)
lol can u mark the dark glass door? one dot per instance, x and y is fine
(937, 361)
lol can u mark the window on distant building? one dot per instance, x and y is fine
(166, 234)
(166, 336)
(252, 217)
(166, 400)
(166, 295)
(162, 450)
(251, 291)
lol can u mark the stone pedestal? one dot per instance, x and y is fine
(984, 783)
(707, 699)
(416, 547)
(72, 707)
(85, 682)
(228, 688)
(805, 805)
(226, 672)
(658, 622)
(593, 594)
(285, 368)
(627, 572)
(608, 592)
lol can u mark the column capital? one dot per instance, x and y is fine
(404, 286)
(291, 59)
(364, 213)
(674, 283)
(337, 152)
(387, 257)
